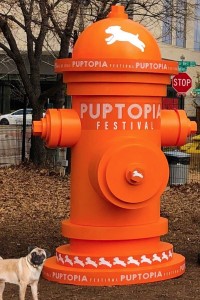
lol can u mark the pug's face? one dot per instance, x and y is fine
(37, 256)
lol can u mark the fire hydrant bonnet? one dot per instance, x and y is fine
(113, 47)
(103, 40)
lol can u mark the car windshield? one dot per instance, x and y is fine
(20, 112)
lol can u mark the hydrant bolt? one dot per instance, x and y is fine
(135, 177)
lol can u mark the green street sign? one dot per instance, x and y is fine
(184, 64)
(197, 91)
(182, 69)
(192, 64)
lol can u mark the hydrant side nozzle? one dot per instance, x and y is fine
(37, 128)
(59, 128)
(71, 127)
(192, 128)
(175, 127)
(117, 11)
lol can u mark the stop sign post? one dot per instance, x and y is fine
(182, 82)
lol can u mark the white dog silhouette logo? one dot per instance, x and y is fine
(117, 34)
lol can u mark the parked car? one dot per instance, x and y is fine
(16, 117)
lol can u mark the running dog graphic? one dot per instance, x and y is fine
(117, 34)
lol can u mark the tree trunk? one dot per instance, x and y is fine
(38, 149)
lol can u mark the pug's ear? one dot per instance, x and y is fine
(48, 253)
(30, 248)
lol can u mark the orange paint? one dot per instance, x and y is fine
(118, 172)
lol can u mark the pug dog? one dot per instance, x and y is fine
(23, 271)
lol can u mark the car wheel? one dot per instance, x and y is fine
(4, 122)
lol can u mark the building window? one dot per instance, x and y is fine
(181, 23)
(197, 26)
(167, 22)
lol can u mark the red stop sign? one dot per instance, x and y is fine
(182, 82)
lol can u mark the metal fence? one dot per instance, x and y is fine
(11, 139)
(184, 162)
(15, 146)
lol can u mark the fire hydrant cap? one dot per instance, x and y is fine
(116, 37)
(117, 11)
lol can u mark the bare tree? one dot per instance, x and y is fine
(23, 20)
(30, 27)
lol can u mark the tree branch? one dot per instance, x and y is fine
(15, 54)
(43, 30)
(67, 33)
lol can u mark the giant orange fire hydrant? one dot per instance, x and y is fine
(116, 129)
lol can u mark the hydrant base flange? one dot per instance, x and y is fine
(52, 271)
(153, 265)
